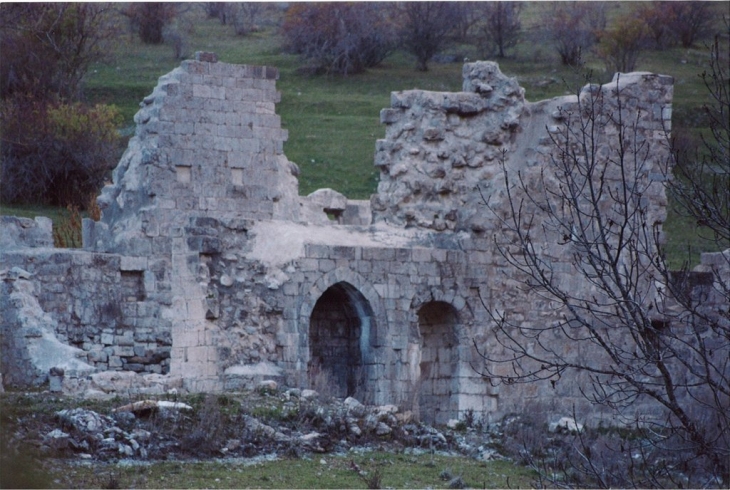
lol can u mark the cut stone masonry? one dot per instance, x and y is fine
(208, 271)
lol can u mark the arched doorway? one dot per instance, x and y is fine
(339, 341)
(438, 383)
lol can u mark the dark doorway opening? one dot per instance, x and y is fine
(438, 384)
(339, 341)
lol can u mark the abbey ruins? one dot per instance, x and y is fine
(208, 271)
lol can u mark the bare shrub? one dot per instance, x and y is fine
(691, 21)
(620, 45)
(573, 27)
(344, 38)
(112, 481)
(426, 27)
(209, 429)
(672, 23)
(703, 168)
(500, 27)
(47, 48)
(599, 457)
(372, 479)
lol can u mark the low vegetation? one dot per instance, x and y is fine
(391, 470)
(177, 458)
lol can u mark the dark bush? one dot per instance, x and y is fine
(55, 153)
(150, 18)
(692, 21)
(670, 23)
(341, 38)
(499, 29)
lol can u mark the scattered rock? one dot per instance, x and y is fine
(320, 427)
(309, 394)
(382, 429)
(565, 423)
(354, 407)
(141, 435)
(404, 417)
(145, 408)
(84, 420)
(268, 386)
(293, 392)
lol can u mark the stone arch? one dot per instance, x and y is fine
(339, 325)
(438, 378)
(329, 279)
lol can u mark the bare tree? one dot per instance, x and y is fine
(467, 17)
(217, 10)
(620, 45)
(426, 27)
(702, 182)
(47, 47)
(572, 26)
(244, 16)
(341, 38)
(691, 21)
(500, 26)
(583, 236)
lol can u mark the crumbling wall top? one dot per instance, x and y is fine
(25, 232)
(443, 150)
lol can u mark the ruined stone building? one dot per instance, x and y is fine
(208, 271)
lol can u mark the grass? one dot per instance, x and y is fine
(333, 121)
(32, 210)
(318, 471)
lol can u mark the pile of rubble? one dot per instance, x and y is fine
(292, 422)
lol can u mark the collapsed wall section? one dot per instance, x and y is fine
(208, 144)
(95, 303)
(441, 146)
(445, 156)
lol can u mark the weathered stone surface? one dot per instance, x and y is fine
(30, 347)
(208, 272)
(25, 232)
(567, 424)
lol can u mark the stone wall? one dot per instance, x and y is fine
(208, 268)
(25, 232)
(99, 305)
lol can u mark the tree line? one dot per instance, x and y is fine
(61, 149)
(347, 38)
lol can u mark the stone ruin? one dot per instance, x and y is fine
(208, 272)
